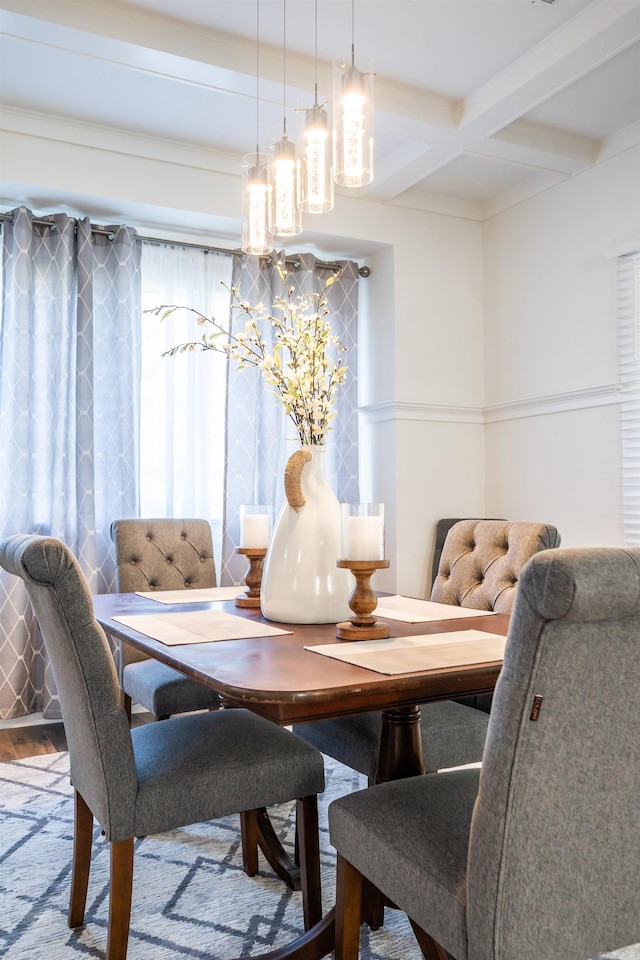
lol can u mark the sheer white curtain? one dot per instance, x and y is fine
(182, 407)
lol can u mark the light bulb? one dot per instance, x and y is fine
(316, 169)
(353, 126)
(285, 219)
(256, 235)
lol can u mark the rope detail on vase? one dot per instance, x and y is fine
(293, 479)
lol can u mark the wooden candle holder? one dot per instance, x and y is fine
(253, 579)
(363, 601)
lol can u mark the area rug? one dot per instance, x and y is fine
(191, 898)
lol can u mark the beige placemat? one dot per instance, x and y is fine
(202, 594)
(202, 626)
(410, 610)
(416, 654)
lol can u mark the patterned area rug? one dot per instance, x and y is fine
(191, 898)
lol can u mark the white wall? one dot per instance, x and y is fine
(552, 447)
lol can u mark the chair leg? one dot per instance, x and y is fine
(82, 840)
(372, 905)
(309, 850)
(430, 948)
(348, 910)
(120, 899)
(249, 832)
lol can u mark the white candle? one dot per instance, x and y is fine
(254, 530)
(364, 538)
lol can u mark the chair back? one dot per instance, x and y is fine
(442, 529)
(163, 554)
(96, 727)
(481, 561)
(554, 853)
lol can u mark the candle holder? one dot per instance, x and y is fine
(363, 601)
(253, 579)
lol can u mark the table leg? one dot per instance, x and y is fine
(268, 841)
(400, 744)
(400, 756)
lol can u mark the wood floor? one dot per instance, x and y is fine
(16, 743)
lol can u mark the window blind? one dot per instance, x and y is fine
(628, 311)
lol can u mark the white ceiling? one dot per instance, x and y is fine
(478, 102)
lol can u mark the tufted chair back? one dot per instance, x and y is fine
(161, 554)
(482, 559)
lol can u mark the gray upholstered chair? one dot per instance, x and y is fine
(482, 559)
(538, 854)
(161, 775)
(163, 554)
(479, 567)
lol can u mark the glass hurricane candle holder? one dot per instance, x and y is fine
(362, 554)
(255, 529)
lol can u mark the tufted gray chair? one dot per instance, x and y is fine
(479, 567)
(161, 775)
(536, 855)
(163, 554)
(482, 559)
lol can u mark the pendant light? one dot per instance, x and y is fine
(285, 217)
(352, 120)
(315, 153)
(256, 234)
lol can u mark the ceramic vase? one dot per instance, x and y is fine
(300, 581)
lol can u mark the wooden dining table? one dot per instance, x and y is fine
(277, 678)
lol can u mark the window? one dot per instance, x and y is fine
(628, 309)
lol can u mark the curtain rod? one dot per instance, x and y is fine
(292, 260)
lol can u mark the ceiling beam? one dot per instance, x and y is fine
(600, 32)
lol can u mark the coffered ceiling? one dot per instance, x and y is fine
(479, 103)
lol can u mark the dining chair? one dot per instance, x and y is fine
(479, 567)
(537, 854)
(159, 776)
(162, 554)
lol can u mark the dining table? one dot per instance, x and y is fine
(281, 679)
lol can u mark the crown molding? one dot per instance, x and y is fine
(543, 405)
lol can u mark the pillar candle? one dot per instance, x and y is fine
(364, 538)
(254, 530)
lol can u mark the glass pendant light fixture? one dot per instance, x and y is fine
(285, 217)
(352, 120)
(256, 233)
(315, 153)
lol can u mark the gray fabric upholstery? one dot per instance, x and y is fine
(482, 559)
(162, 554)
(552, 851)
(452, 735)
(158, 776)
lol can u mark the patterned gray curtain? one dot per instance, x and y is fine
(69, 363)
(259, 437)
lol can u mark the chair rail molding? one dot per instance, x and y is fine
(543, 405)
(403, 410)
(601, 395)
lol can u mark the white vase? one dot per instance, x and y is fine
(300, 580)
